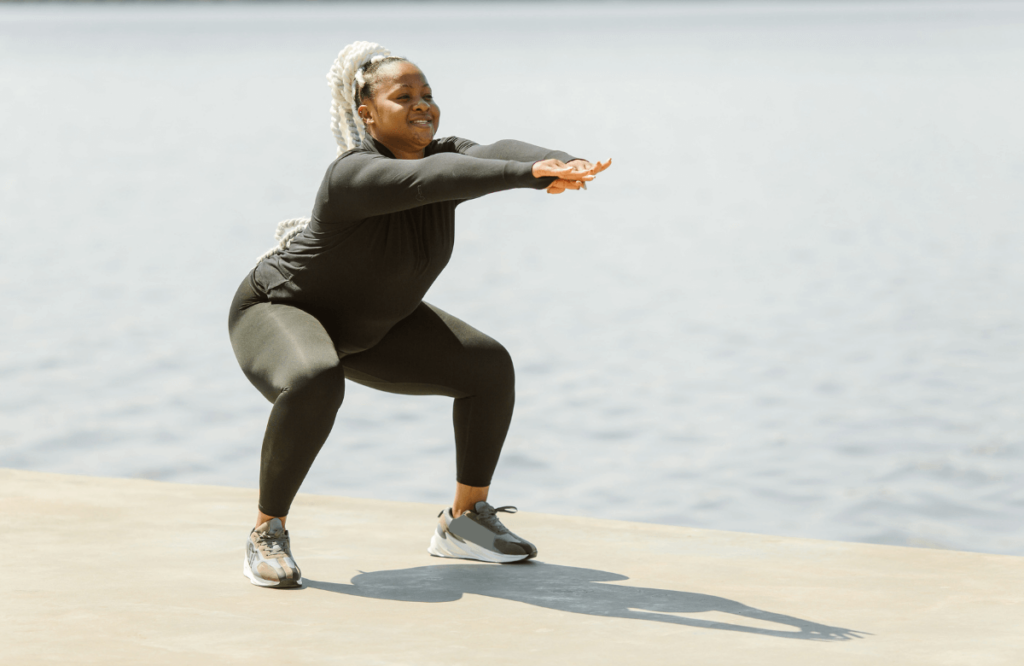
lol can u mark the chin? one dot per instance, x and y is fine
(423, 142)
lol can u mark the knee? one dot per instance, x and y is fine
(321, 384)
(498, 370)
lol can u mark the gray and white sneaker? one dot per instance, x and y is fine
(478, 535)
(268, 557)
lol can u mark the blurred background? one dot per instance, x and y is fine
(793, 305)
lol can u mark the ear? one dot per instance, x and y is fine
(364, 113)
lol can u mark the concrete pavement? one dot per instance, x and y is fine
(122, 571)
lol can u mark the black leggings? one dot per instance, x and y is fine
(290, 357)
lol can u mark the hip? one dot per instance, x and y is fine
(355, 322)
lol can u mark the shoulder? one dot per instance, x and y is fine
(355, 155)
(351, 161)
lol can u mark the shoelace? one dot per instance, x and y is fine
(272, 546)
(492, 521)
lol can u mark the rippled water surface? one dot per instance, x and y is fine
(792, 306)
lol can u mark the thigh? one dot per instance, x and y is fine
(280, 346)
(431, 352)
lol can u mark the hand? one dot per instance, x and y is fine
(581, 165)
(571, 176)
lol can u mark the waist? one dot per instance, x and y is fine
(255, 288)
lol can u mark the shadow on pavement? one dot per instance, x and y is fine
(573, 590)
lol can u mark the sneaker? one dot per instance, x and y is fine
(478, 535)
(268, 557)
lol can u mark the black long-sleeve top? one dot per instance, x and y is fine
(383, 229)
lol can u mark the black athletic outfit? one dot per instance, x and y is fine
(345, 301)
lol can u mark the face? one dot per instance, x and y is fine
(402, 114)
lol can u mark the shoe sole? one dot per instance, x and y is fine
(256, 580)
(466, 550)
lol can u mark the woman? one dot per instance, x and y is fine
(340, 298)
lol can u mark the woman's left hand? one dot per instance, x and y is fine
(561, 185)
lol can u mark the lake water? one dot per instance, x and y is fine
(792, 306)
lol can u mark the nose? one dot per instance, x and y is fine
(422, 104)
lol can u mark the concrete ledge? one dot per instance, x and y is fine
(102, 571)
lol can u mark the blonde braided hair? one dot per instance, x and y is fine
(345, 79)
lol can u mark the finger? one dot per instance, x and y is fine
(557, 172)
(576, 175)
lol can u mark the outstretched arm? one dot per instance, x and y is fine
(510, 149)
(360, 185)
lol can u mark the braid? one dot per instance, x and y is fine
(286, 231)
(351, 78)
(346, 125)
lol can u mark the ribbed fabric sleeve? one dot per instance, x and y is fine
(510, 149)
(368, 184)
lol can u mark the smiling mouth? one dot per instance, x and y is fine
(421, 123)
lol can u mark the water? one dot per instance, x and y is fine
(792, 306)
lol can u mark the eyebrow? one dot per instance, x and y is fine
(406, 85)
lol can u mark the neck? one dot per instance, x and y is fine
(400, 153)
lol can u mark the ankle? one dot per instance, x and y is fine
(264, 518)
(466, 497)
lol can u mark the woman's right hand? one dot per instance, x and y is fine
(569, 177)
